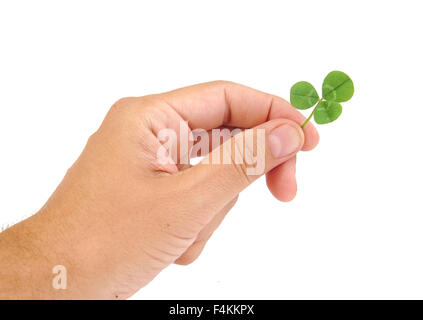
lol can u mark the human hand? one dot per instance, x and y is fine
(121, 215)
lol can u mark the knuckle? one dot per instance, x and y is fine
(122, 103)
(222, 82)
(225, 84)
(192, 253)
(139, 102)
(185, 260)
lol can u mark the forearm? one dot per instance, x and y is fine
(102, 260)
(27, 257)
(39, 260)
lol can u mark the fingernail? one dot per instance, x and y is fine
(284, 140)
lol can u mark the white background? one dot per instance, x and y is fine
(355, 229)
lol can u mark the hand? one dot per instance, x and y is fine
(120, 215)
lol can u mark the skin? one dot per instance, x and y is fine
(119, 217)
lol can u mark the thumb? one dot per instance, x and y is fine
(239, 161)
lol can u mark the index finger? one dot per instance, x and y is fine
(213, 104)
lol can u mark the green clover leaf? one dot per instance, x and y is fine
(303, 95)
(337, 87)
(327, 111)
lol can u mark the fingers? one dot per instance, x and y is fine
(281, 180)
(193, 252)
(213, 104)
(218, 182)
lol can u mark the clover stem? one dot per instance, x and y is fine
(308, 119)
